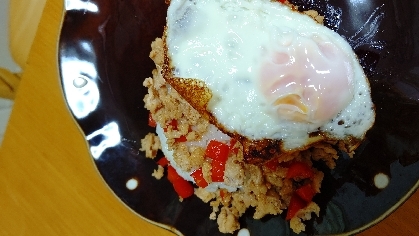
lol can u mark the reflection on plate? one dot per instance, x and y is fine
(104, 47)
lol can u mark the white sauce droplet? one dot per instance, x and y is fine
(132, 184)
(243, 232)
(381, 180)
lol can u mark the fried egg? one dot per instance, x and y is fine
(273, 73)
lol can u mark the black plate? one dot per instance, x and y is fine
(103, 55)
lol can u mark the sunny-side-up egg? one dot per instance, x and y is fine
(274, 73)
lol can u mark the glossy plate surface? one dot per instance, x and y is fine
(103, 55)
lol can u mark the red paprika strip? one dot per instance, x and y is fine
(299, 170)
(198, 176)
(272, 164)
(306, 192)
(181, 139)
(217, 151)
(182, 187)
(232, 142)
(163, 162)
(151, 121)
(296, 204)
(232, 148)
(172, 123)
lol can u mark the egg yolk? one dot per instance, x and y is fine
(306, 78)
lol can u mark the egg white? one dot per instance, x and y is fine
(224, 42)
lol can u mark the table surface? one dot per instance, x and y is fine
(49, 183)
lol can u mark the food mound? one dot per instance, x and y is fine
(246, 95)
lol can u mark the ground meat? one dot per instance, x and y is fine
(325, 152)
(304, 214)
(159, 173)
(266, 189)
(204, 195)
(227, 221)
(315, 15)
(150, 144)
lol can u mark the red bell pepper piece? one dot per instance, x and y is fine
(198, 176)
(182, 187)
(163, 162)
(231, 146)
(296, 204)
(232, 142)
(151, 121)
(217, 151)
(272, 164)
(306, 192)
(172, 175)
(172, 123)
(299, 170)
(182, 138)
